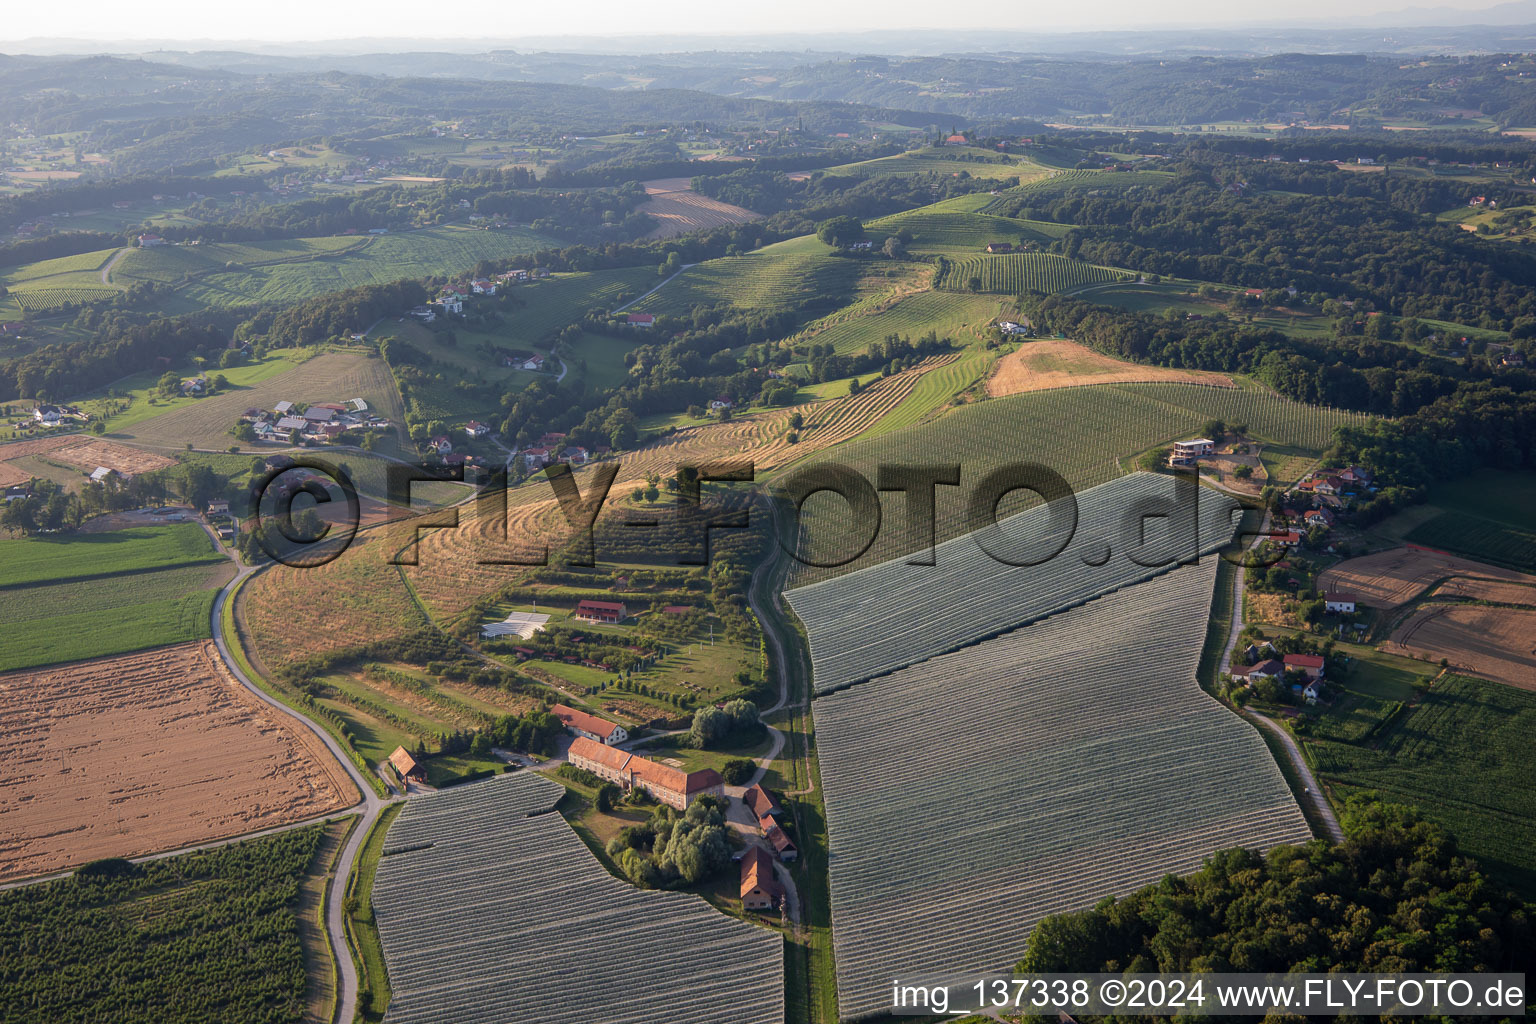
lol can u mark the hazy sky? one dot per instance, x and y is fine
(306, 20)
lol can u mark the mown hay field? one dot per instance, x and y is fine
(1056, 363)
(148, 752)
(679, 210)
(1495, 643)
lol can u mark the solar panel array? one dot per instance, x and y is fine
(971, 795)
(492, 911)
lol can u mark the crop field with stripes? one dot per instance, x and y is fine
(1082, 433)
(1058, 764)
(1463, 757)
(492, 911)
(1022, 272)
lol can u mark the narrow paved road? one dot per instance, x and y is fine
(1314, 792)
(653, 291)
(368, 807)
(107, 268)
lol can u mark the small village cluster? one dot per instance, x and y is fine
(1263, 663)
(451, 297)
(320, 423)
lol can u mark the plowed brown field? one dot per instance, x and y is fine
(1391, 578)
(146, 752)
(1496, 643)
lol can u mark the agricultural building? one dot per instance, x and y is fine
(590, 726)
(760, 802)
(759, 891)
(782, 844)
(407, 766)
(610, 612)
(631, 771)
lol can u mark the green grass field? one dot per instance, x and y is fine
(57, 559)
(289, 271)
(548, 305)
(72, 621)
(788, 276)
(1488, 516)
(1463, 758)
(604, 358)
(953, 226)
(960, 316)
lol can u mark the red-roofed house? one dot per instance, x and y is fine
(957, 140)
(1338, 601)
(406, 765)
(590, 726)
(759, 891)
(1311, 664)
(640, 320)
(760, 802)
(602, 611)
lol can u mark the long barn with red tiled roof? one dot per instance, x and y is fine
(670, 786)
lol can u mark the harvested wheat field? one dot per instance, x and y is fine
(1492, 591)
(1394, 577)
(678, 209)
(89, 454)
(146, 752)
(331, 377)
(1057, 363)
(1495, 643)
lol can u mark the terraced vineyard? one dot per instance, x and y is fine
(1046, 775)
(492, 911)
(449, 578)
(888, 616)
(1107, 424)
(46, 299)
(1022, 272)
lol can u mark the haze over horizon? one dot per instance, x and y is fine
(395, 23)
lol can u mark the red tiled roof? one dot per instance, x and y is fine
(1303, 661)
(757, 872)
(601, 606)
(780, 841)
(759, 801)
(575, 719)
